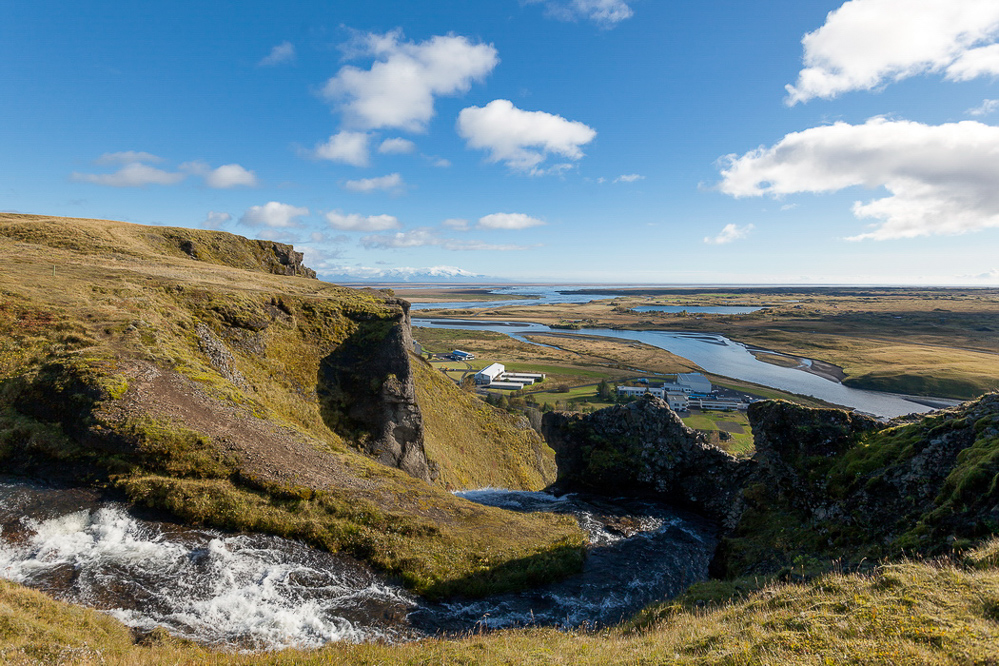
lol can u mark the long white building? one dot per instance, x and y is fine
(677, 400)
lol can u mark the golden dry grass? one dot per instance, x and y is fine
(903, 614)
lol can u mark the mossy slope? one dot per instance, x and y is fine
(474, 444)
(831, 486)
(194, 386)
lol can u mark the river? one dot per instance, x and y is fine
(718, 355)
(256, 592)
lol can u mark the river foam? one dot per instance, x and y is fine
(248, 592)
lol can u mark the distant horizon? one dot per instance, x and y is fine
(663, 285)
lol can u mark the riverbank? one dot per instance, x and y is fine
(912, 341)
(714, 354)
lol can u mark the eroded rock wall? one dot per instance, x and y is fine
(643, 449)
(367, 392)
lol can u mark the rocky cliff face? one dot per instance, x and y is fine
(824, 484)
(367, 392)
(644, 449)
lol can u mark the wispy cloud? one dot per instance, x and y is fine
(355, 222)
(987, 107)
(629, 178)
(215, 220)
(127, 157)
(428, 236)
(134, 174)
(397, 146)
(729, 233)
(281, 54)
(606, 13)
(393, 182)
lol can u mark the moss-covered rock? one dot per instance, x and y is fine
(644, 449)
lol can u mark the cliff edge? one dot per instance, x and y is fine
(823, 485)
(213, 377)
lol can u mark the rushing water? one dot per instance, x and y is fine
(241, 591)
(256, 592)
(720, 356)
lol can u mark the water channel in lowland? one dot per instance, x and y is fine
(719, 356)
(255, 592)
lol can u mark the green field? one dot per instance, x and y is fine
(734, 423)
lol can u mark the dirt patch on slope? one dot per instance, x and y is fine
(266, 451)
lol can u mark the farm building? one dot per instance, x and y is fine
(489, 374)
(459, 355)
(677, 400)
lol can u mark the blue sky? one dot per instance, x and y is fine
(636, 141)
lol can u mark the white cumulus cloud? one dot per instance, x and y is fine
(941, 179)
(230, 175)
(134, 174)
(521, 139)
(399, 89)
(273, 214)
(606, 13)
(347, 147)
(729, 233)
(224, 177)
(279, 55)
(867, 43)
(393, 182)
(508, 221)
(355, 222)
(396, 146)
(456, 223)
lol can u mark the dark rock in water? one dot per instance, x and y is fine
(643, 449)
(367, 393)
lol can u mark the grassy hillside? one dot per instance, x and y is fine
(176, 367)
(828, 490)
(476, 445)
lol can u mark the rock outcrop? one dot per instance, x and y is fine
(790, 440)
(824, 484)
(367, 392)
(643, 449)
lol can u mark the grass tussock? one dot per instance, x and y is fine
(911, 613)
